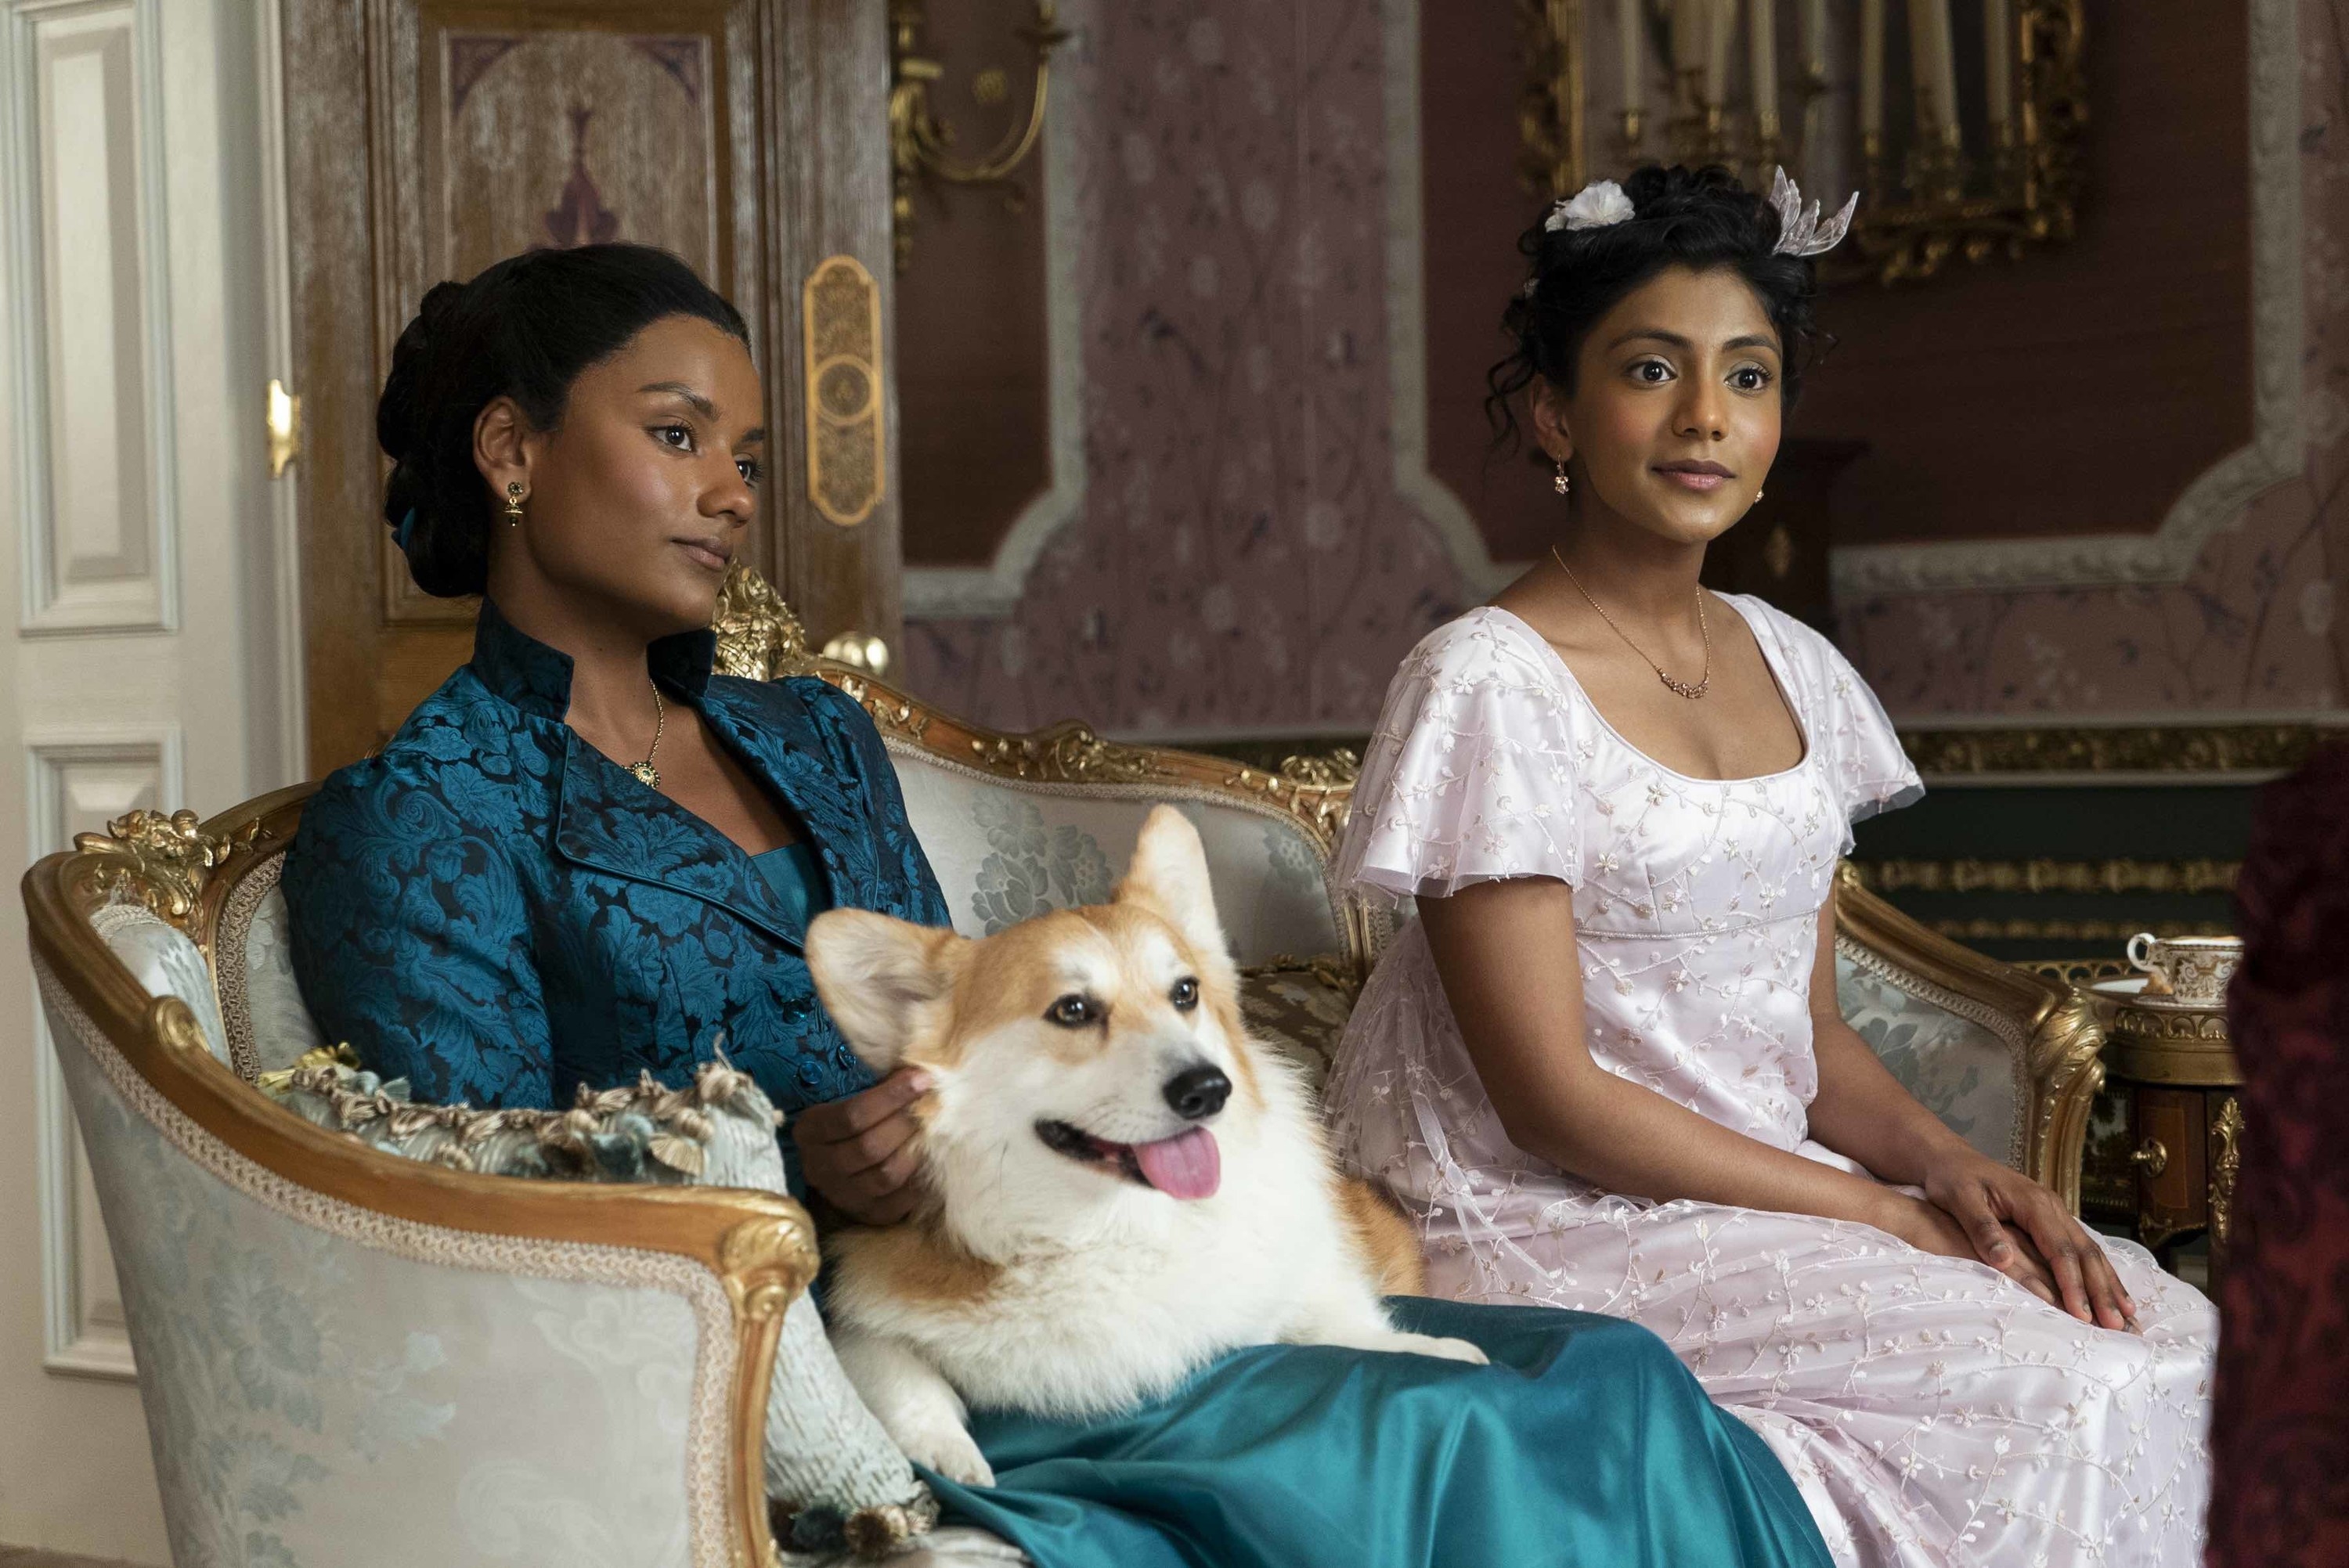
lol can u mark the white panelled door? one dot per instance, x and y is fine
(146, 663)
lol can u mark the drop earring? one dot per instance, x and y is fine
(1561, 484)
(513, 505)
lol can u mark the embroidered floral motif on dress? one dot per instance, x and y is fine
(1932, 1412)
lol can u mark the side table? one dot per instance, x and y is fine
(2185, 1122)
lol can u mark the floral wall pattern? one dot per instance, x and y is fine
(1242, 562)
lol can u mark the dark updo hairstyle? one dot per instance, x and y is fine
(524, 329)
(1699, 219)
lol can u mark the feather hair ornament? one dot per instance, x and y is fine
(1800, 232)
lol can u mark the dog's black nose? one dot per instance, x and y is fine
(1196, 1093)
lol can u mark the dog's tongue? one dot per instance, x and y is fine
(1185, 1166)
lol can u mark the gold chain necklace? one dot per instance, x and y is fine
(1676, 686)
(645, 771)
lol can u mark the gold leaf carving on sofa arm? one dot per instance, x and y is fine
(162, 860)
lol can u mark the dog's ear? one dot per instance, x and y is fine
(1169, 874)
(874, 973)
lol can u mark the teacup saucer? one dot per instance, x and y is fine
(2132, 991)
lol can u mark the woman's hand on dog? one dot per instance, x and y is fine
(858, 1153)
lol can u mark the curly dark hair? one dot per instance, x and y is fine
(1699, 219)
(524, 328)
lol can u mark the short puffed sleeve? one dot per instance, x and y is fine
(1865, 767)
(1472, 773)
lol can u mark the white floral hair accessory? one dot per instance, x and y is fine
(1595, 206)
(1800, 232)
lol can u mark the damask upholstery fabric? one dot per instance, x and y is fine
(165, 962)
(297, 1376)
(1958, 1068)
(825, 1452)
(1931, 1411)
(283, 1032)
(1005, 850)
(496, 911)
(1299, 1011)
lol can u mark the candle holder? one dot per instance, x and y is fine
(1926, 199)
(1633, 126)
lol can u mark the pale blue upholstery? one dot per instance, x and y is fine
(1968, 1073)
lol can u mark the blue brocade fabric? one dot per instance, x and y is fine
(495, 911)
(1585, 1445)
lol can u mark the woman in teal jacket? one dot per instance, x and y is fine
(587, 856)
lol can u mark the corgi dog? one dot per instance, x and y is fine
(1119, 1186)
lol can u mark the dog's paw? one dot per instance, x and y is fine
(947, 1450)
(1443, 1349)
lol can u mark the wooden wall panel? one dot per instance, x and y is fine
(573, 123)
(828, 60)
(749, 135)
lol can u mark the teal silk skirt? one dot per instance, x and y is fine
(1585, 1444)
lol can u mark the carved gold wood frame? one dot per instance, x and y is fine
(761, 1248)
(2053, 1028)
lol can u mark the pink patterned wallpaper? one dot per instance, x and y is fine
(1242, 562)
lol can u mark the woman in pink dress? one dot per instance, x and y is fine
(1603, 1066)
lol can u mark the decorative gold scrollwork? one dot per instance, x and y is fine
(1071, 754)
(163, 861)
(1319, 791)
(2227, 1133)
(759, 638)
(840, 314)
(920, 145)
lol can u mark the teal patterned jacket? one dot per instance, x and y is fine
(493, 910)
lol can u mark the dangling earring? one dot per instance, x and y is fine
(513, 505)
(1561, 484)
(1757, 495)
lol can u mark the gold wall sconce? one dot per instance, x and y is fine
(921, 145)
(1964, 139)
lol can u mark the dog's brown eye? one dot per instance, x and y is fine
(1072, 1011)
(1185, 995)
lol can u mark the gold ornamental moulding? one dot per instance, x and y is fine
(2082, 931)
(847, 455)
(2227, 1136)
(2106, 876)
(2148, 749)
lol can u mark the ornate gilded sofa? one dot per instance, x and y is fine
(562, 1371)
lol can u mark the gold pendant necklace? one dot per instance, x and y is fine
(644, 771)
(1672, 684)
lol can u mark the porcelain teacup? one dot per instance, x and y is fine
(2186, 968)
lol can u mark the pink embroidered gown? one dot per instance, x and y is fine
(1931, 1410)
